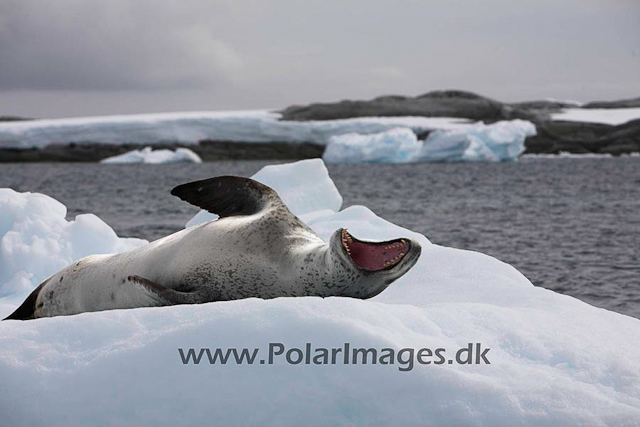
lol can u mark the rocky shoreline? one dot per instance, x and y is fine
(207, 150)
(581, 138)
(553, 136)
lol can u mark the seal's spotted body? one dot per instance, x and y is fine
(257, 248)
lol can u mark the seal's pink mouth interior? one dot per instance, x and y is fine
(374, 256)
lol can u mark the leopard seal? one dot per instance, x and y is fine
(257, 248)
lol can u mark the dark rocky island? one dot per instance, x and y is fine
(554, 136)
(447, 103)
(580, 137)
(624, 103)
(13, 119)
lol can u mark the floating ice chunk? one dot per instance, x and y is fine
(304, 186)
(150, 156)
(36, 240)
(397, 145)
(501, 141)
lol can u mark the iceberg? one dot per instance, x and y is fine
(500, 141)
(150, 156)
(398, 145)
(553, 360)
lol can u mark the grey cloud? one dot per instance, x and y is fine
(250, 54)
(116, 45)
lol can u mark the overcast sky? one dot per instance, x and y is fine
(63, 58)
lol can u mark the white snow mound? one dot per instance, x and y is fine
(36, 241)
(554, 360)
(151, 156)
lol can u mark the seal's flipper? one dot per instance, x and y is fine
(166, 296)
(27, 309)
(228, 195)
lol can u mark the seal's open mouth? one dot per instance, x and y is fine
(374, 256)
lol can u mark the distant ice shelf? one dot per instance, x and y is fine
(609, 116)
(193, 127)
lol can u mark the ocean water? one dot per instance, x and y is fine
(570, 225)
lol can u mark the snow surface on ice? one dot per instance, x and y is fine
(554, 360)
(151, 156)
(609, 116)
(36, 241)
(190, 128)
(500, 141)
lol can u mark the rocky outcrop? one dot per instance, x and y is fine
(580, 137)
(544, 106)
(553, 136)
(445, 103)
(624, 103)
(13, 119)
(207, 150)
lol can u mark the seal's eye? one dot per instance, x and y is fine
(374, 256)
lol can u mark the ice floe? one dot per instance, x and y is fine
(554, 360)
(150, 156)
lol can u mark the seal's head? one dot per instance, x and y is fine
(374, 265)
